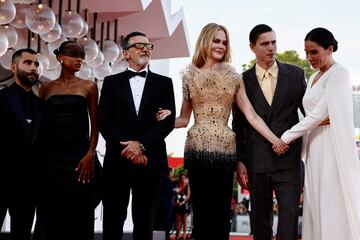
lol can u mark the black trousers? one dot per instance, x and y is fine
(211, 192)
(287, 186)
(21, 218)
(145, 194)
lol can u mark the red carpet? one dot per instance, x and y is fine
(240, 238)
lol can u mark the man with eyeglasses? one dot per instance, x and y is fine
(135, 157)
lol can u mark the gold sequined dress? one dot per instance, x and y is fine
(210, 142)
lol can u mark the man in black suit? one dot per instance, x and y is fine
(275, 90)
(135, 156)
(20, 119)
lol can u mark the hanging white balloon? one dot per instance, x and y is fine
(102, 71)
(4, 44)
(84, 31)
(72, 24)
(85, 72)
(90, 47)
(7, 11)
(118, 67)
(22, 41)
(24, 1)
(19, 20)
(5, 60)
(40, 69)
(53, 35)
(53, 62)
(44, 60)
(53, 74)
(40, 18)
(97, 61)
(110, 50)
(121, 55)
(54, 45)
(10, 33)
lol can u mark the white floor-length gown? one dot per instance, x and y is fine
(332, 166)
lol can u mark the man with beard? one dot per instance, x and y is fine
(135, 156)
(19, 140)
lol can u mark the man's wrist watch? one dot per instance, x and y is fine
(142, 147)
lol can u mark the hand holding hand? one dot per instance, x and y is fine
(140, 159)
(280, 147)
(133, 152)
(132, 148)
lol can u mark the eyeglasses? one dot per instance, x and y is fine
(141, 46)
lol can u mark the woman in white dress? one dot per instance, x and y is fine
(332, 174)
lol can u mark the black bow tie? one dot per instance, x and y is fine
(133, 74)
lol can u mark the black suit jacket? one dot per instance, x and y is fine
(253, 149)
(118, 122)
(19, 147)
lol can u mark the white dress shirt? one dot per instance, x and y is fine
(137, 84)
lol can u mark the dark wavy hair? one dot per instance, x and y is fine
(323, 37)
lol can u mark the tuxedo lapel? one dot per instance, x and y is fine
(147, 92)
(281, 86)
(17, 107)
(253, 88)
(126, 89)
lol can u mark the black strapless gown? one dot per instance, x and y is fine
(66, 206)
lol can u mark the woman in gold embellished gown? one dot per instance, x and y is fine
(210, 87)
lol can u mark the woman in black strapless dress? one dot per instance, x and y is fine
(66, 205)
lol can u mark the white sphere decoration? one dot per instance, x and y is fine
(121, 55)
(53, 35)
(97, 61)
(72, 24)
(25, 1)
(118, 67)
(90, 47)
(111, 51)
(5, 60)
(84, 31)
(40, 18)
(40, 69)
(19, 20)
(102, 71)
(53, 62)
(53, 74)
(10, 33)
(7, 11)
(4, 44)
(54, 45)
(44, 60)
(85, 72)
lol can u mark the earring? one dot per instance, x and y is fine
(61, 62)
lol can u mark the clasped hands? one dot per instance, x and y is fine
(280, 147)
(133, 152)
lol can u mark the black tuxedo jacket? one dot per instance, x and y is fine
(19, 145)
(118, 122)
(253, 149)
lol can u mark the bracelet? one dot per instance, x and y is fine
(142, 147)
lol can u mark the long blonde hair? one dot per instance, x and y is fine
(204, 41)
